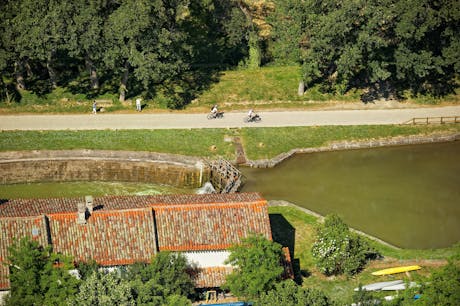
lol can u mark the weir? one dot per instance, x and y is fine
(95, 165)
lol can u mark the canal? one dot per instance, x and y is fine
(408, 196)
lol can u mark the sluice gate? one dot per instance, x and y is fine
(225, 177)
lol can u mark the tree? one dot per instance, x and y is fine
(145, 37)
(27, 260)
(378, 45)
(337, 250)
(443, 288)
(288, 35)
(57, 284)
(162, 281)
(103, 289)
(288, 293)
(257, 266)
(39, 277)
(86, 36)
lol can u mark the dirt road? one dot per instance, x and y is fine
(230, 120)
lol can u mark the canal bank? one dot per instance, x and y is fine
(356, 144)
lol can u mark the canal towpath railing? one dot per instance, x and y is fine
(434, 120)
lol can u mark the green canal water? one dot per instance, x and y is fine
(76, 189)
(408, 196)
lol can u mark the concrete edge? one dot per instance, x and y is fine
(353, 145)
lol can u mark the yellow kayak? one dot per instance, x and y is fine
(396, 270)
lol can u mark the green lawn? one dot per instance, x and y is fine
(263, 143)
(259, 143)
(197, 142)
(294, 228)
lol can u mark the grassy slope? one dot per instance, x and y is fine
(259, 143)
(292, 226)
(267, 87)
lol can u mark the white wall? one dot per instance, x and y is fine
(205, 259)
(2, 295)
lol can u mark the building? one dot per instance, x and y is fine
(121, 230)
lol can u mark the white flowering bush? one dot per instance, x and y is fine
(337, 250)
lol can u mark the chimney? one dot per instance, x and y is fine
(81, 216)
(89, 203)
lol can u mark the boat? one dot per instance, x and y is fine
(402, 286)
(379, 285)
(396, 270)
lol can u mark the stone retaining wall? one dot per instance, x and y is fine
(98, 165)
(351, 145)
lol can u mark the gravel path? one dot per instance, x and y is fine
(231, 120)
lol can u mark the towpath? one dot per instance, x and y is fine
(175, 120)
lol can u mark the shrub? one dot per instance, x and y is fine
(337, 250)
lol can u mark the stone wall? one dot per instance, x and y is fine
(94, 165)
(351, 145)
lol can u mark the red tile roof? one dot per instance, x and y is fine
(125, 229)
(209, 226)
(34, 207)
(111, 238)
(210, 277)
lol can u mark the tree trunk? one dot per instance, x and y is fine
(301, 89)
(28, 68)
(51, 71)
(123, 85)
(94, 81)
(19, 74)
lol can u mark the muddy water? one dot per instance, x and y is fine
(407, 196)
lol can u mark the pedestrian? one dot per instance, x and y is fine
(94, 107)
(138, 104)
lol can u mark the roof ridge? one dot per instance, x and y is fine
(211, 205)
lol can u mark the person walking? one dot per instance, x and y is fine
(94, 107)
(138, 104)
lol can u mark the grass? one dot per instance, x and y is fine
(198, 142)
(265, 143)
(263, 88)
(294, 228)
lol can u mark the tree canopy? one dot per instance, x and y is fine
(171, 49)
(38, 276)
(162, 281)
(385, 46)
(257, 266)
(133, 47)
(288, 293)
